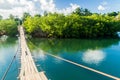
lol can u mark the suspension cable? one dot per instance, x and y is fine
(6, 72)
(28, 40)
(85, 67)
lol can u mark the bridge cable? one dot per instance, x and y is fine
(30, 42)
(12, 60)
(85, 67)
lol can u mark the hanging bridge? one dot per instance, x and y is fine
(28, 69)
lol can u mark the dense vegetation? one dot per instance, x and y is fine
(8, 26)
(79, 24)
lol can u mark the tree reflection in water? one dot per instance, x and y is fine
(59, 46)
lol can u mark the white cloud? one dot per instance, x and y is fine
(1, 1)
(101, 7)
(104, 3)
(68, 10)
(39, 54)
(35, 0)
(18, 7)
(47, 5)
(93, 56)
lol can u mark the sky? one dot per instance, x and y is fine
(18, 7)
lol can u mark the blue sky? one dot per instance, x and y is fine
(18, 7)
(92, 5)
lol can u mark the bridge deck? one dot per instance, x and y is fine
(28, 69)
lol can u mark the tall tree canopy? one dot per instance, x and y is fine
(1, 17)
(25, 15)
(82, 12)
(80, 24)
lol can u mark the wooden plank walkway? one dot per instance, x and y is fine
(28, 70)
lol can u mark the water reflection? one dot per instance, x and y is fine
(58, 46)
(8, 47)
(85, 52)
(2, 56)
(58, 61)
(3, 38)
(39, 54)
(93, 56)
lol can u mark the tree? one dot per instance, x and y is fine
(45, 13)
(1, 17)
(118, 17)
(87, 12)
(78, 11)
(25, 15)
(113, 14)
(11, 17)
(18, 20)
(80, 24)
(37, 15)
(8, 27)
(82, 12)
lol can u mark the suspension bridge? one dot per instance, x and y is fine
(28, 69)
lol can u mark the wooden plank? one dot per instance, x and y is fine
(28, 68)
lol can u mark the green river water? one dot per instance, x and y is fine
(102, 55)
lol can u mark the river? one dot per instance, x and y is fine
(102, 55)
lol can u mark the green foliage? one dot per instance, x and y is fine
(11, 17)
(113, 14)
(74, 25)
(8, 27)
(18, 21)
(79, 24)
(82, 12)
(25, 15)
(1, 17)
(45, 13)
(37, 15)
